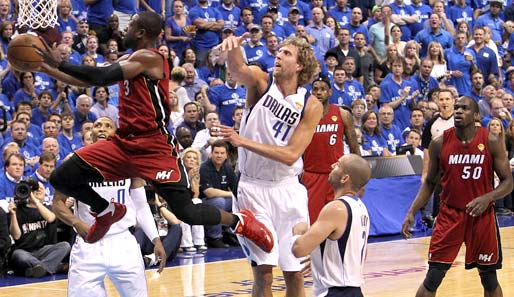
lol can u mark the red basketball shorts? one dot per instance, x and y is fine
(480, 234)
(149, 157)
(320, 192)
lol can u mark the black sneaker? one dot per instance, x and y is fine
(36, 271)
(62, 268)
(216, 243)
(230, 239)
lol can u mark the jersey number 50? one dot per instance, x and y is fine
(474, 173)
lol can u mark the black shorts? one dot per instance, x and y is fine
(344, 292)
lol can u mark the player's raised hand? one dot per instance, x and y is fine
(232, 42)
(226, 133)
(51, 55)
(408, 224)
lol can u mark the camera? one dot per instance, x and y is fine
(23, 189)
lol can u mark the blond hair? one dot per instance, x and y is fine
(305, 57)
(194, 151)
(7, 147)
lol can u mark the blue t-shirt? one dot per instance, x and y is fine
(38, 118)
(43, 82)
(486, 61)
(423, 11)
(254, 53)
(6, 187)
(390, 91)
(457, 14)
(226, 99)
(230, 16)
(69, 25)
(456, 61)
(205, 39)
(66, 145)
(424, 86)
(79, 9)
(99, 12)
(403, 10)
(267, 62)
(125, 6)
(10, 84)
(341, 17)
(426, 36)
(179, 46)
(375, 143)
(393, 137)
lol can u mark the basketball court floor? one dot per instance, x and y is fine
(394, 267)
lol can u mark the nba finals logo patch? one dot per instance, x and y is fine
(333, 118)
(481, 147)
(299, 105)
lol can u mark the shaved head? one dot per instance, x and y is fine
(355, 167)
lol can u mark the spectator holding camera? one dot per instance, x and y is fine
(13, 173)
(36, 252)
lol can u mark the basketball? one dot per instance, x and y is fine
(22, 55)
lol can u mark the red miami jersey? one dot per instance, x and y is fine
(467, 169)
(326, 146)
(144, 104)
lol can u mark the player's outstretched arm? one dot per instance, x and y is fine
(145, 219)
(251, 77)
(331, 223)
(289, 153)
(427, 186)
(142, 61)
(502, 169)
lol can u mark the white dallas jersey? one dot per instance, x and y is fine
(117, 191)
(339, 263)
(272, 120)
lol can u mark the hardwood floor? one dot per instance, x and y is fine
(394, 268)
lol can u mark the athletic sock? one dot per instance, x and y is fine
(235, 222)
(100, 206)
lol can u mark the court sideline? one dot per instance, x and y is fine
(393, 268)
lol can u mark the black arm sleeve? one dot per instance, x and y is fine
(97, 76)
(426, 138)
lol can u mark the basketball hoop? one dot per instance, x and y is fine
(37, 14)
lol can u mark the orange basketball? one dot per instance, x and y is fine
(22, 55)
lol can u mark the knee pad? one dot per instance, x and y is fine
(489, 280)
(433, 279)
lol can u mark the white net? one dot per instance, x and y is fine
(37, 13)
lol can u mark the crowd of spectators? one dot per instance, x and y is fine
(386, 61)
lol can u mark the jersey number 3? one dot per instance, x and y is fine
(126, 86)
(469, 172)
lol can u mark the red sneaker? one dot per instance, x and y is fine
(254, 230)
(103, 223)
